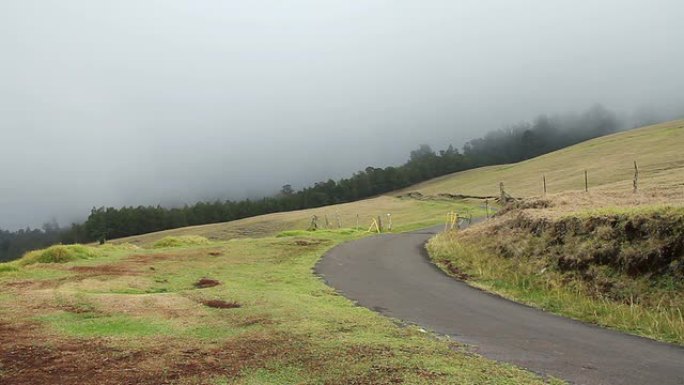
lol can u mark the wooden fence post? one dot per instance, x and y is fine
(379, 224)
(544, 179)
(635, 182)
(487, 208)
(586, 181)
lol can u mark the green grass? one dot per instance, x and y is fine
(529, 281)
(8, 267)
(58, 254)
(97, 325)
(291, 328)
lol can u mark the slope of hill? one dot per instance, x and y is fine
(610, 256)
(609, 161)
(406, 214)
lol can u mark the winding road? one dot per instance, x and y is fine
(392, 274)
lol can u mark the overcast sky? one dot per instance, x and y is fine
(146, 102)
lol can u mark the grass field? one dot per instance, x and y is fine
(242, 311)
(406, 214)
(608, 160)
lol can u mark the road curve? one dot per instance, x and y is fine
(391, 274)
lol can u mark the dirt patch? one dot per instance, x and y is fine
(35, 284)
(454, 270)
(308, 242)
(102, 270)
(206, 282)
(29, 357)
(221, 304)
(215, 253)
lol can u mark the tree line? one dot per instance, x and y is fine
(511, 144)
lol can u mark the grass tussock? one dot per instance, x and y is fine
(622, 269)
(59, 254)
(8, 267)
(180, 241)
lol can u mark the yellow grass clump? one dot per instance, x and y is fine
(58, 254)
(180, 241)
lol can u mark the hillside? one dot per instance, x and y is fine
(610, 256)
(609, 161)
(237, 303)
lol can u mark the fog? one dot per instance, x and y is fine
(145, 102)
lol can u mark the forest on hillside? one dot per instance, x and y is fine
(511, 144)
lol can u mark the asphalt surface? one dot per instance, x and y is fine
(392, 274)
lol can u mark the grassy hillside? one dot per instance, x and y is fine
(609, 161)
(406, 214)
(620, 268)
(610, 256)
(244, 311)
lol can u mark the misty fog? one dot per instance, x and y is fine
(146, 102)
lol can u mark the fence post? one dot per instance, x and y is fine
(586, 181)
(379, 223)
(635, 182)
(487, 208)
(389, 222)
(544, 179)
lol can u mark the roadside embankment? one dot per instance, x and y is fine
(620, 267)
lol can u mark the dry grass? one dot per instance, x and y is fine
(406, 214)
(608, 160)
(610, 259)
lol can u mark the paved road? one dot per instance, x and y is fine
(392, 275)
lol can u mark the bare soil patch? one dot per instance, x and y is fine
(221, 304)
(102, 270)
(454, 270)
(206, 282)
(29, 357)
